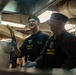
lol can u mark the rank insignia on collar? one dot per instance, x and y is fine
(39, 42)
(29, 41)
(51, 45)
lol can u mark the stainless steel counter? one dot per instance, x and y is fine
(35, 71)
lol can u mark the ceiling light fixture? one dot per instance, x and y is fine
(45, 16)
(69, 26)
(72, 30)
(13, 24)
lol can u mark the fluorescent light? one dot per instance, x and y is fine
(69, 26)
(45, 16)
(72, 30)
(13, 24)
(6, 39)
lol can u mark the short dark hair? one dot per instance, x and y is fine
(59, 16)
(34, 17)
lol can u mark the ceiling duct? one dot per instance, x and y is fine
(26, 7)
(69, 9)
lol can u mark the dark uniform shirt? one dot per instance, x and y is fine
(33, 45)
(59, 52)
(13, 59)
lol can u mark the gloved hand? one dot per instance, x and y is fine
(30, 64)
(14, 43)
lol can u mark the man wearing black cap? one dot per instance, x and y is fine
(33, 45)
(60, 49)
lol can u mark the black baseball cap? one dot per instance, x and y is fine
(59, 16)
(34, 17)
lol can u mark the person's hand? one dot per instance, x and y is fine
(14, 43)
(30, 64)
